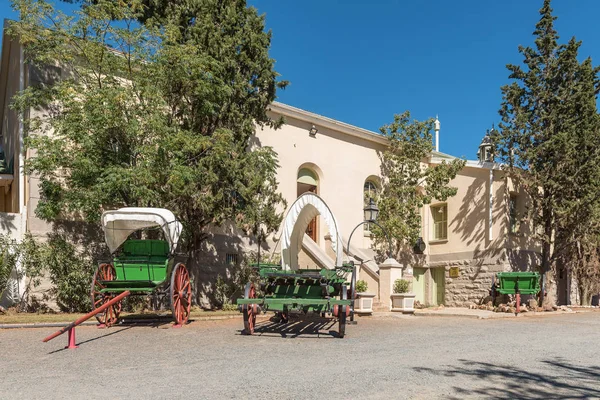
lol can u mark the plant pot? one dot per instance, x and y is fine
(364, 303)
(403, 302)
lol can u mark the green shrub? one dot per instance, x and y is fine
(28, 251)
(71, 274)
(401, 286)
(224, 290)
(361, 286)
(9, 253)
(230, 307)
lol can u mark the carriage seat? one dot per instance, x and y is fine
(153, 251)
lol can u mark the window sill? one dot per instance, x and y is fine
(438, 241)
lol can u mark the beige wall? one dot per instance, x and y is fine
(342, 164)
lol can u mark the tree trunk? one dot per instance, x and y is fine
(546, 258)
(585, 296)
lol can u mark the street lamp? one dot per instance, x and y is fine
(371, 213)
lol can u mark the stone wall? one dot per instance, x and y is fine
(473, 283)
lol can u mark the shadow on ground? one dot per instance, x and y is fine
(559, 379)
(306, 328)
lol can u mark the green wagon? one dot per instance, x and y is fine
(321, 291)
(289, 288)
(516, 283)
(141, 266)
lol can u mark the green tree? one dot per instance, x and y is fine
(155, 114)
(408, 183)
(549, 138)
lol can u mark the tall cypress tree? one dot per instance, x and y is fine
(548, 137)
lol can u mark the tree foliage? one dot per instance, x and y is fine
(408, 183)
(549, 139)
(154, 114)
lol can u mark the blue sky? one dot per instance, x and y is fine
(362, 61)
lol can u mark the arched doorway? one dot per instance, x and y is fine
(308, 181)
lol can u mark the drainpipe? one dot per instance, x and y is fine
(491, 222)
(21, 200)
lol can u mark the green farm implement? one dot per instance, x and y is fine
(516, 283)
(287, 289)
(305, 291)
(141, 266)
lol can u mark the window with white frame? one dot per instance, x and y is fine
(439, 216)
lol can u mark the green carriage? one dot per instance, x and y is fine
(142, 266)
(287, 289)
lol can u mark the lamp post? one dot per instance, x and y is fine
(371, 213)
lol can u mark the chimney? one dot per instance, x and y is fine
(437, 133)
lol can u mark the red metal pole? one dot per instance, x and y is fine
(88, 315)
(518, 303)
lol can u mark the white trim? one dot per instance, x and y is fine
(321, 121)
(307, 206)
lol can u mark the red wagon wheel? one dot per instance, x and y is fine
(105, 272)
(249, 310)
(181, 294)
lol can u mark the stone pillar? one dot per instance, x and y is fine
(389, 271)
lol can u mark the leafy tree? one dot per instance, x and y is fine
(160, 113)
(549, 138)
(407, 182)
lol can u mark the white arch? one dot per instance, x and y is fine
(304, 209)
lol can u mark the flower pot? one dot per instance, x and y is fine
(364, 303)
(403, 302)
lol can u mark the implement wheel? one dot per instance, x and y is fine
(249, 310)
(104, 272)
(181, 294)
(343, 311)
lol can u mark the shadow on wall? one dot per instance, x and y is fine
(407, 257)
(209, 261)
(7, 223)
(471, 221)
(88, 237)
(554, 379)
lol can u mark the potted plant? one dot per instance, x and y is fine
(402, 299)
(364, 301)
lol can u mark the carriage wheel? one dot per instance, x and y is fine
(249, 310)
(108, 317)
(181, 294)
(343, 310)
(285, 316)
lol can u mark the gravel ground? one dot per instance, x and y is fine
(387, 358)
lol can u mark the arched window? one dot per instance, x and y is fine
(308, 181)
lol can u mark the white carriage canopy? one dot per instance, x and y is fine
(119, 224)
(305, 208)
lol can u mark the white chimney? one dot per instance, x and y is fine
(437, 133)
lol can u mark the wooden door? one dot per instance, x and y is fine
(418, 286)
(438, 278)
(311, 229)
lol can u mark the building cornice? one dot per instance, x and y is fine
(321, 121)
